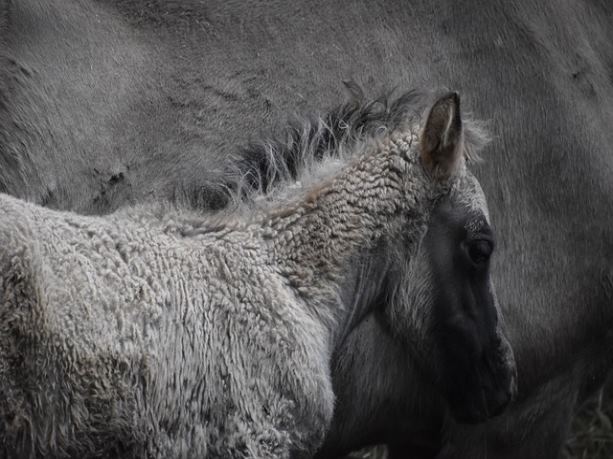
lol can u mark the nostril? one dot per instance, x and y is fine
(509, 389)
(501, 383)
(512, 389)
(511, 379)
(501, 401)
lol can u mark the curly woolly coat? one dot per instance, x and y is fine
(153, 333)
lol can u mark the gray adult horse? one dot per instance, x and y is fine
(103, 103)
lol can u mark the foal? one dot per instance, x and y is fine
(377, 365)
(151, 333)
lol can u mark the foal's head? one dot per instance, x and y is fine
(443, 303)
(440, 302)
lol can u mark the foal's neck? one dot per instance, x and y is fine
(381, 194)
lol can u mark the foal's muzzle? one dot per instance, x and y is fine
(494, 386)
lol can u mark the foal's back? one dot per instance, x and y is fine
(144, 330)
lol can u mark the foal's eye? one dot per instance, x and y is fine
(480, 251)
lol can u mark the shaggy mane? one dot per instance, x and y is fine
(303, 151)
(310, 148)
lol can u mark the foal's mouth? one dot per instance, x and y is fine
(487, 400)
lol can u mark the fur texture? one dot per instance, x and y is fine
(149, 333)
(107, 103)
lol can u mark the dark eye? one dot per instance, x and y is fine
(479, 251)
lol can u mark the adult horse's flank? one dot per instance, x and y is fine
(169, 334)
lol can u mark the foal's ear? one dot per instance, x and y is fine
(441, 138)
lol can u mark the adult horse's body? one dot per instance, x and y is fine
(102, 103)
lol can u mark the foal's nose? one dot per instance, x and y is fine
(499, 400)
(503, 375)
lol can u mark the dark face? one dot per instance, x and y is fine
(472, 359)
